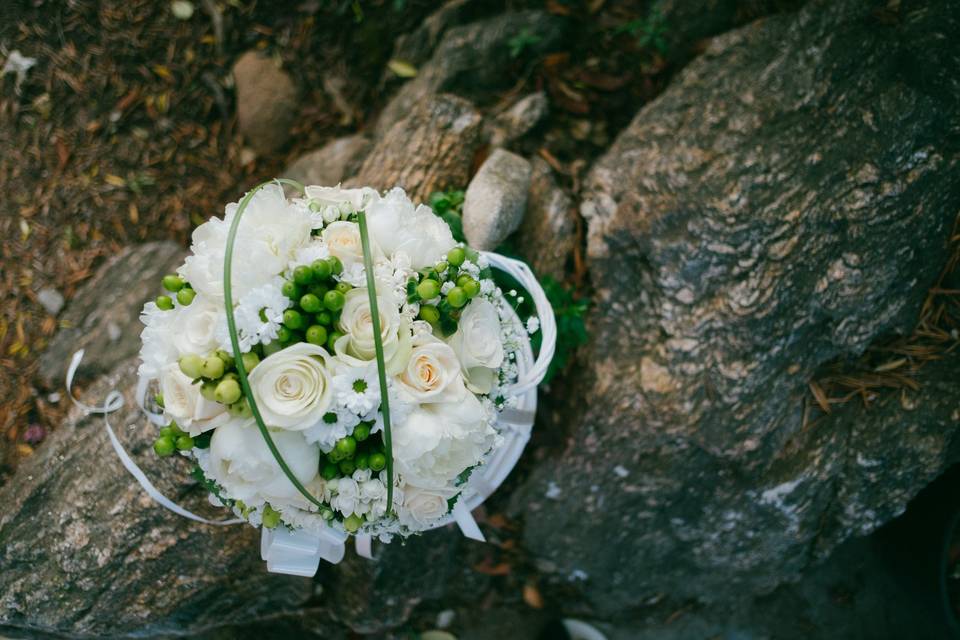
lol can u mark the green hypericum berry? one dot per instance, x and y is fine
(172, 282)
(284, 334)
(457, 297)
(456, 256)
(310, 303)
(378, 461)
(292, 319)
(291, 289)
(317, 335)
(352, 523)
(462, 279)
(321, 269)
(471, 287)
(330, 471)
(272, 348)
(361, 432)
(303, 275)
(213, 367)
(335, 265)
(228, 392)
(166, 432)
(324, 318)
(362, 461)
(164, 446)
(441, 267)
(334, 458)
(346, 446)
(428, 289)
(158, 398)
(332, 340)
(334, 300)
(250, 360)
(343, 287)
(209, 391)
(226, 357)
(184, 443)
(164, 303)
(191, 365)
(347, 467)
(186, 295)
(429, 313)
(271, 518)
(318, 289)
(175, 428)
(240, 409)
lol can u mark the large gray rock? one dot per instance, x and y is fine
(103, 317)
(474, 60)
(495, 200)
(415, 47)
(266, 102)
(331, 163)
(785, 203)
(519, 119)
(84, 552)
(547, 237)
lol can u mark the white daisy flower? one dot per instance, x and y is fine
(357, 388)
(257, 316)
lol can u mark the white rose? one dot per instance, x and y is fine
(343, 241)
(422, 507)
(269, 235)
(356, 346)
(396, 227)
(183, 402)
(293, 387)
(432, 373)
(477, 345)
(241, 462)
(194, 330)
(437, 442)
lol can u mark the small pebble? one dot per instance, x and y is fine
(51, 300)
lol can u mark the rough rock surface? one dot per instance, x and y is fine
(429, 150)
(525, 114)
(783, 204)
(547, 236)
(84, 551)
(331, 163)
(496, 199)
(474, 60)
(104, 315)
(266, 102)
(415, 47)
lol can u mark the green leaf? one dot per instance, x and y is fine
(402, 68)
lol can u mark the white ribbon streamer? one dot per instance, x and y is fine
(113, 402)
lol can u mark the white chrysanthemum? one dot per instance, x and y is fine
(305, 256)
(357, 388)
(338, 422)
(258, 317)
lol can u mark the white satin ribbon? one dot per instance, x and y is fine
(113, 402)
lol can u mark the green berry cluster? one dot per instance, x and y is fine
(177, 286)
(318, 298)
(357, 451)
(427, 286)
(172, 438)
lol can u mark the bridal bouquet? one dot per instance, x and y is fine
(337, 360)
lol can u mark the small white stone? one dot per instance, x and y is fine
(51, 300)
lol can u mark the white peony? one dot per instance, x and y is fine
(270, 233)
(241, 462)
(157, 350)
(194, 329)
(478, 346)
(183, 402)
(422, 507)
(293, 387)
(397, 227)
(356, 346)
(432, 373)
(437, 442)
